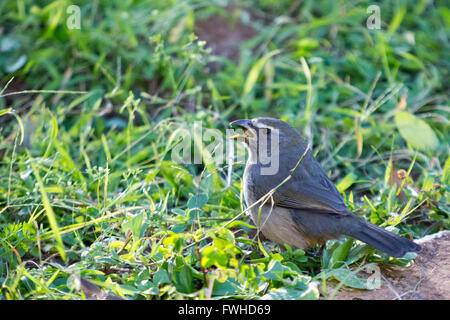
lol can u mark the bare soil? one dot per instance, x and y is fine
(427, 279)
(222, 36)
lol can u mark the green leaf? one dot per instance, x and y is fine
(340, 254)
(209, 257)
(221, 259)
(312, 293)
(197, 201)
(327, 253)
(416, 131)
(350, 279)
(229, 287)
(428, 184)
(184, 280)
(5, 111)
(358, 252)
(255, 71)
(178, 212)
(134, 225)
(275, 271)
(161, 276)
(446, 173)
(346, 182)
(54, 189)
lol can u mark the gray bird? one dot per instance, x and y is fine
(307, 209)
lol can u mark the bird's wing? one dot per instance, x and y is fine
(320, 197)
(309, 188)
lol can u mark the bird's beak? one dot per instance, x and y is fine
(244, 123)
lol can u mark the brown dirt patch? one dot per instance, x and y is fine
(427, 279)
(222, 36)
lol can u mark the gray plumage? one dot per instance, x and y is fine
(307, 209)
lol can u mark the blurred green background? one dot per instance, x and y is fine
(89, 118)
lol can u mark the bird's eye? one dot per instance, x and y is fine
(266, 131)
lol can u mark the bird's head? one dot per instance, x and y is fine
(270, 136)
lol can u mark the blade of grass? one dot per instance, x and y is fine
(49, 211)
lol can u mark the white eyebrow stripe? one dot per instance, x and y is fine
(263, 126)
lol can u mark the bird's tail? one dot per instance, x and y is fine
(382, 239)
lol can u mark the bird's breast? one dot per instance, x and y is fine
(277, 225)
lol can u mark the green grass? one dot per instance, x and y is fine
(87, 185)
